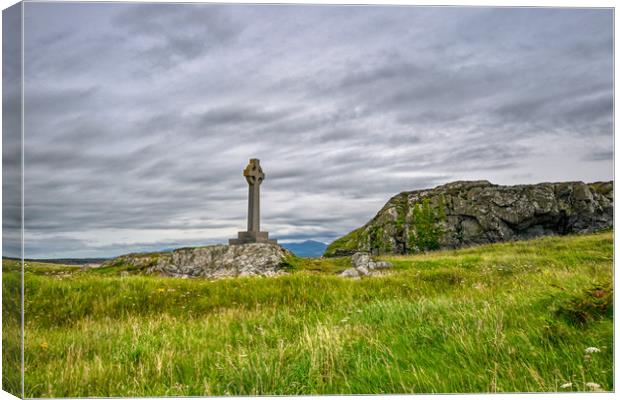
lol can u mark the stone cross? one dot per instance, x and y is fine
(254, 176)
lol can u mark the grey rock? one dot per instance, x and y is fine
(466, 213)
(363, 264)
(362, 270)
(383, 264)
(350, 273)
(360, 259)
(219, 261)
(470, 227)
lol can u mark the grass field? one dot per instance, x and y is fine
(508, 317)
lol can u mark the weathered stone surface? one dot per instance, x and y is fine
(360, 259)
(350, 273)
(467, 213)
(362, 270)
(383, 265)
(363, 264)
(211, 261)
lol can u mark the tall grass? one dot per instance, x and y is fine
(508, 317)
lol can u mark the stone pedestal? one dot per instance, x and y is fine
(252, 237)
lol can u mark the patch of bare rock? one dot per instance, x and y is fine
(218, 261)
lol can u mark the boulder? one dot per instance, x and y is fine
(350, 273)
(362, 270)
(360, 259)
(363, 264)
(383, 265)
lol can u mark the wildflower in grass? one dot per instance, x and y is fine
(593, 350)
(161, 290)
(594, 386)
(44, 346)
(566, 385)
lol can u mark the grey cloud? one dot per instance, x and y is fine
(395, 70)
(178, 32)
(140, 120)
(11, 131)
(51, 246)
(56, 100)
(235, 115)
(600, 155)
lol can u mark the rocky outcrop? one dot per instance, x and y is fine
(467, 213)
(210, 261)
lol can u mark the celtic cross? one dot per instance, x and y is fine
(254, 175)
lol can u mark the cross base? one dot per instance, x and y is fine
(252, 237)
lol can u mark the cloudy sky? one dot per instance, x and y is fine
(140, 118)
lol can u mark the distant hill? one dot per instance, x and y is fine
(468, 213)
(64, 261)
(309, 248)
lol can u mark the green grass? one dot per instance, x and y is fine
(348, 242)
(509, 317)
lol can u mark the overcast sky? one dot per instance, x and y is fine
(140, 118)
